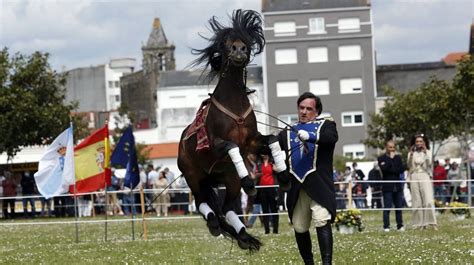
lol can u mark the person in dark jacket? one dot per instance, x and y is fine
(376, 187)
(28, 189)
(391, 166)
(309, 171)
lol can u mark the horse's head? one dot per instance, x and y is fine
(232, 46)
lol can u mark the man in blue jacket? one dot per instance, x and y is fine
(391, 166)
(309, 173)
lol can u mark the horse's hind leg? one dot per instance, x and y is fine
(245, 240)
(203, 196)
(224, 148)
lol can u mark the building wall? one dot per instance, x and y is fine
(333, 70)
(87, 86)
(406, 77)
(139, 98)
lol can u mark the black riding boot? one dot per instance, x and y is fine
(325, 243)
(304, 246)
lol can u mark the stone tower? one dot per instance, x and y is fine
(158, 53)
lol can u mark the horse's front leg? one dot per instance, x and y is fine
(223, 148)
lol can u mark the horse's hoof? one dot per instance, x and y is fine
(247, 241)
(213, 225)
(248, 186)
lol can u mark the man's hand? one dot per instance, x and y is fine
(303, 135)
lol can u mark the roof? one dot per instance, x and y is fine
(164, 150)
(157, 36)
(285, 5)
(411, 66)
(170, 79)
(453, 58)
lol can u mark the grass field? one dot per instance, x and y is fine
(188, 242)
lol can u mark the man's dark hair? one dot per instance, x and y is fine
(305, 95)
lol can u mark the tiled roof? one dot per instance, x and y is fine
(452, 58)
(164, 150)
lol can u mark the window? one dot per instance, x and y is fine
(117, 98)
(354, 151)
(285, 56)
(111, 84)
(352, 118)
(284, 29)
(347, 25)
(287, 89)
(319, 87)
(316, 25)
(117, 83)
(349, 53)
(288, 118)
(351, 86)
(317, 54)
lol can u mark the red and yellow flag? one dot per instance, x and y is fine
(92, 162)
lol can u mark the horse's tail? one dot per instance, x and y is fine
(244, 239)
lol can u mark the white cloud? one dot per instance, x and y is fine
(83, 32)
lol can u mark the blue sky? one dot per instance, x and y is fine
(79, 33)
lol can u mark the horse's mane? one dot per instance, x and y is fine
(246, 26)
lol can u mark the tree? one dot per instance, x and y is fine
(32, 102)
(437, 108)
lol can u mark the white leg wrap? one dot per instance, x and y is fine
(233, 220)
(234, 154)
(205, 209)
(278, 156)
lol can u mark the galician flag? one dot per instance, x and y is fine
(56, 167)
(92, 160)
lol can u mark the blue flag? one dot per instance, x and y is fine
(125, 155)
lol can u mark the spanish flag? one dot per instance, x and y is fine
(92, 162)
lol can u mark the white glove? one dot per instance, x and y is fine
(303, 135)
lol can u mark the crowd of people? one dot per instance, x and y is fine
(117, 200)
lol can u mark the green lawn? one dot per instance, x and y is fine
(188, 242)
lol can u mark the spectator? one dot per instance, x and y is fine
(60, 205)
(182, 195)
(454, 184)
(45, 205)
(447, 164)
(439, 176)
(2, 178)
(9, 190)
(359, 188)
(152, 176)
(162, 197)
(391, 166)
(341, 196)
(376, 187)
(268, 195)
(28, 190)
(419, 164)
(253, 204)
(114, 206)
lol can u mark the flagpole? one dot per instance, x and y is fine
(106, 205)
(142, 202)
(133, 211)
(75, 198)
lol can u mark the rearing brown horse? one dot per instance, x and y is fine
(231, 128)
